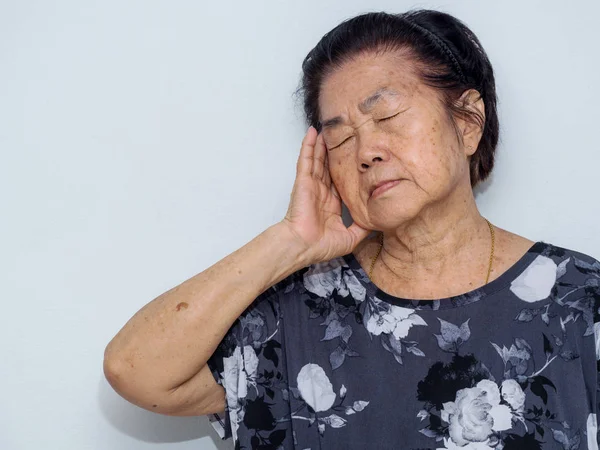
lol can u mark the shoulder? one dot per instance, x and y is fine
(558, 266)
(576, 277)
(577, 273)
(561, 277)
(577, 261)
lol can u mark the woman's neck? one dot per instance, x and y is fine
(439, 251)
(436, 236)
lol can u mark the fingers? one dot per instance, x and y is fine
(325, 176)
(305, 159)
(335, 192)
(326, 173)
(319, 158)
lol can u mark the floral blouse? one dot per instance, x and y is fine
(326, 360)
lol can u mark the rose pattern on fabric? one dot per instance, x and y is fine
(239, 372)
(513, 395)
(569, 303)
(386, 318)
(247, 362)
(332, 292)
(324, 278)
(597, 339)
(464, 405)
(451, 337)
(316, 390)
(335, 293)
(392, 323)
(450, 445)
(483, 414)
(315, 387)
(536, 282)
(476, 414)
(592, 432)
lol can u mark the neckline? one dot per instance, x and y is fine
(447, 302)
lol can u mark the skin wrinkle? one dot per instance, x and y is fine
(339, 121)
(368, 105)
(365, 106)
(432, 229)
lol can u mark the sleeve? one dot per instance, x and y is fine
(593, 428)
(587, 305)
(246, 348)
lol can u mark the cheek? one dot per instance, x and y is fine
(337, 167)
(433, 154)
(344, 178)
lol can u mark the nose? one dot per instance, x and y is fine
(372, 148)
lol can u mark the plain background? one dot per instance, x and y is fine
(142, 141)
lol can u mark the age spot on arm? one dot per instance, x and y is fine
(180, 306)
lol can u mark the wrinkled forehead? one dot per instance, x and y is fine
(361, 84)
(383, 96)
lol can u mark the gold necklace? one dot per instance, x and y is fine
(489, 266)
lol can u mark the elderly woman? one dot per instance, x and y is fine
(440, 330)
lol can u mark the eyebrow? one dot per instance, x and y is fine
(365, 106)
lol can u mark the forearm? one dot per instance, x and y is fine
(170, 339)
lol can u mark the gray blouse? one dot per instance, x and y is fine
(324, 359)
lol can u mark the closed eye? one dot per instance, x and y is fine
(341, 143)
(388, 118)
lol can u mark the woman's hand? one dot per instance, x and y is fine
(315, 212)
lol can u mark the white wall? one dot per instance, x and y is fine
(141, 141)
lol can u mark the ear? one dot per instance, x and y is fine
(471, 126)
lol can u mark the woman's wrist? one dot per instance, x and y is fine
(291, 251)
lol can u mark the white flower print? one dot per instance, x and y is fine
(536, 282)
(476, 414)
(317, 392)
(386, 318)
(592, 432)
(597, 340)
(449, 445)
(315, 387)
(513, 395)
(239, 370)
(352, 285)
(325, 277)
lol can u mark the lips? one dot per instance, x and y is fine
(383, 186)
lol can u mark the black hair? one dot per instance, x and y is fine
(448, 57)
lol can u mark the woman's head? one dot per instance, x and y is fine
(408, 97)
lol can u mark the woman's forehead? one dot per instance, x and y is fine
(381, 95)
(366, 82)
(369, 103)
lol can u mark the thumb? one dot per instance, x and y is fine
(358, 233)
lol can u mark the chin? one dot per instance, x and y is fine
(393, 218)
(386, 214)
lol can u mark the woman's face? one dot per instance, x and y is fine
(380, 122)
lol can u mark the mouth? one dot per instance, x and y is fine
(382, 187)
